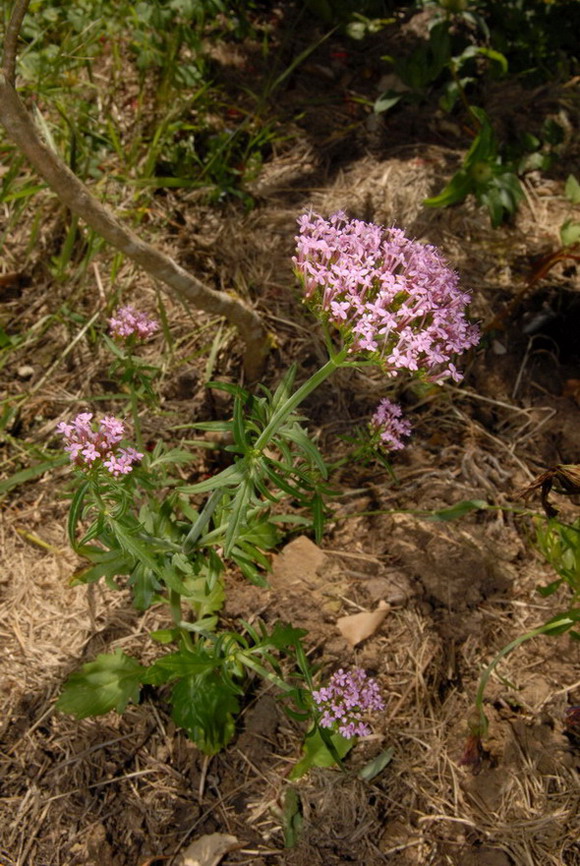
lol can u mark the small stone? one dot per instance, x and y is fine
(25, 372)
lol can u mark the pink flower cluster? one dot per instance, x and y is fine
(128, 322)
(87, 446)
(389, 426)
(345, 699)
(392, 298)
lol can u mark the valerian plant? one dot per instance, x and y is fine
(383, 300)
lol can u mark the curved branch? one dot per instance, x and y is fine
(11, 38)
(75, 195)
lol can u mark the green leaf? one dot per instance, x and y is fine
(572, 189)
(317, 754)
(484, 146)
(377, 765)
(32, 472)
(230, 388)
(387, 101)
(292, 818)
(239, 427)
(137, 547)
(173, 456)
(237, 515)
(248, 568)
(570, 233)
(164, 635)
(145, 586)
(300, 438)
(230, 477)
(108, 683)
(180, 664)
(550, 588)
(205, 707)
(456, 190)
(562, 622)
(495, 57)
(317, 508)
(108, 564)
(75, 512)
(284, 635)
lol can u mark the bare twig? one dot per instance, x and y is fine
(75, 195)
(11, 38)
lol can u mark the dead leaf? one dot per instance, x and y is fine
(572, 389)
(300, 561)
(207, 850)
(359, 626)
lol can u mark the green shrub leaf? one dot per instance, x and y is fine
(108, 683)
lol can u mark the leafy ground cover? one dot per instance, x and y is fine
(214, 159)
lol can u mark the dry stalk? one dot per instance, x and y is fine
(23, 132)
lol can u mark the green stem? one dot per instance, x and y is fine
(175, 607)
(136, 420)
(553, 625)
(283, 411)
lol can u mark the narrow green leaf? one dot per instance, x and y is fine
(75, 512)
(300, 438)
(317, 508)
(32, 472)
(387, 100)
(377, 765)
(237, 515)
(460, 509)
(230, 477)
(456, 190)
(239, 427)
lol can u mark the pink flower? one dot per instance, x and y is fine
(128, 322)
(348, 696)
(388, 425)
(87, 446)
(394, 300)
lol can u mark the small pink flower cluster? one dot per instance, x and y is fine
(128, 322)
(345, 699)
(86, 446)
(392, 298)
(388, 424)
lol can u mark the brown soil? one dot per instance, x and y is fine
(123, 791)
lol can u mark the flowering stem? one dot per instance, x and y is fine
(283, 411)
